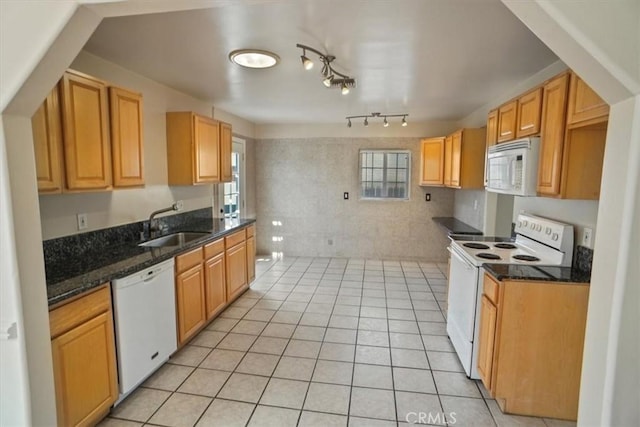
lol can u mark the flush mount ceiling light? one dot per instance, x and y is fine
(330, 77)
(385, 122)
(254, 58)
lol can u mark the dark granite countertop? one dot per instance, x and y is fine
(76, 274)
(536, 273)
(455, 226)
(473, 238)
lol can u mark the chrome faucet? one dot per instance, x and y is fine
(152, 228)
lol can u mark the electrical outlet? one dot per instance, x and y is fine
(587, 237)
(345, 195)
(427, 197)
(83, 222)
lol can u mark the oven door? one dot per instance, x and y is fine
(461, 306)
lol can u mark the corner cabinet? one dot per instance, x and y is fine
(432, 161)
(47, 144)
(126, 137)
(571, 153)
(198, 149)
(531, 343)
(492, 128)
(84, 358)
(87, 149)
(585, 106)
(464, 162)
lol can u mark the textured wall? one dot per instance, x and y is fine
(469, 207)
(300, 184)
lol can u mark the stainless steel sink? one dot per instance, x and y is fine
(175, 239)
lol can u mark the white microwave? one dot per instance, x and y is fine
(512, 167)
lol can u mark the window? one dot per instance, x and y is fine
(233, 200)
(384, 174)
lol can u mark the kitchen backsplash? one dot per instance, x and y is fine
(73, 246)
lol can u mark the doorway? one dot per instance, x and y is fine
(233, 194)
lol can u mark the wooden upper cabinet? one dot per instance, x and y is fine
(507, 121)
(432, 161)
(193, 149)
(87, 151)
(126, 137)
(47, 144)
(448, 152)
(585, 106)
(226, 174)
(552, 136)
(456, 158)
(529, 106)
(492, 128)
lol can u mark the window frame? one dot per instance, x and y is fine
(407, 196)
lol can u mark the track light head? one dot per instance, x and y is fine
(385, 123)
(349, 123)
(366, 122)
(344, 89)
(306, 62)
(330, 77)
(404, 122)
(328, 80)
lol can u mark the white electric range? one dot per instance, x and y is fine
(539, 241)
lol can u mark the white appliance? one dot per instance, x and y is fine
(512, 167)
(145, 320)
(539, 242)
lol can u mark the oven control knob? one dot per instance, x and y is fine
(548, 230)
(519, 224)
(532, 226)
(538, 227)
(555, 236)
(525, 223)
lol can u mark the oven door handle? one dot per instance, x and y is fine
(455, 253)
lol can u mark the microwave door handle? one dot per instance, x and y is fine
(512, 172)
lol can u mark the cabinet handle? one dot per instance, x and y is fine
(529, 126)
(505, 133)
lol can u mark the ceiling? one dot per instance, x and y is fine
(432, 59)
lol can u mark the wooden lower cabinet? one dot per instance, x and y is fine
(531, 342)
(84, 358)
(215, 289)
(190, 301)
(251, 259)
(236, 263)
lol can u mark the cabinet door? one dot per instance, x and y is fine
(126, 137)
(507, 115)
(190, 301)
(552, 136)
(87, 151)
(488, 318)
(584, 104)
(529, 106)
(456, 155)
(236, 263)
(492, 128)
(251, 259)
(225, 153)
(84, 369)
(206, 150)
(47, 144)
(448, 152)
(431, 165)
(215, 291)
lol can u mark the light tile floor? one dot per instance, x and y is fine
(322, 342)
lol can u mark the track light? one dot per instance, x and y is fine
(330, 77)
(385, 122)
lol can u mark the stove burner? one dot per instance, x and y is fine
(487, 256)
(475, 245)
(526, 258)
(505, 246)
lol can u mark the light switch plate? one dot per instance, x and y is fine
(83, 222)
(587, 237)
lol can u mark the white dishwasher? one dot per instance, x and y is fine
(145, 319)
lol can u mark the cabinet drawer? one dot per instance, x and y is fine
(86, 307)
(214, 248)
(235, 238)
(188, 259)
(491, 288)
(251, 231)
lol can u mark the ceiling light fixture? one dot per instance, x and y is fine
(385, 122)
(330, 77)
(254, 58)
